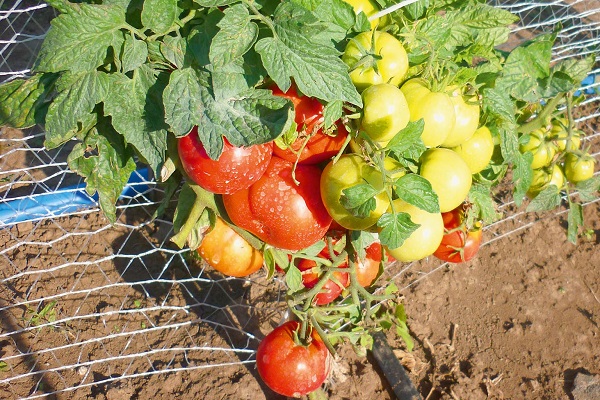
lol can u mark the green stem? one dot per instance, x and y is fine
(264, 19)
(542, 117)
(322, 334)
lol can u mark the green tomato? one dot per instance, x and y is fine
(579, 168)
(385, 112)
(375, 57)
(368, 7)
(560, 135)
(449, 175)
(467, 119)
(477, 151)
(544, 177)
(540, 147)
(425, 240)
(435, 108)
(350, 170)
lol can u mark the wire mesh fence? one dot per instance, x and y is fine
(85, 304)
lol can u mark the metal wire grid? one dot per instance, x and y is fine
(84, 304)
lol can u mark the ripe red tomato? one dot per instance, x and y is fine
(459, 243)
(278, 211)
(289, 368)
(237, 167)
(229, 253)
(368, 269)
(309, 120)
(332, 289)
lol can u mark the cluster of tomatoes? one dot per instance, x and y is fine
(557, 156)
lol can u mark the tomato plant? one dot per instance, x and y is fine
(312, 145)
(544, 177)
(541, 148)
(279, 211)
(477, 151)
(290, 367)
(374, 58)
(331, 289)
(559, 134)
(229, 253)
(460, 243)
(385, 112)
(449, 176)
(435, 108)
(237, 167)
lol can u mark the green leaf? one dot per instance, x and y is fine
(253, 117)
(293, 279)
(395, 229)
(237, 35)
(107, 172)
(174, 49)
(23, 101)
(359, 199)
(332, 112)
(481, 197)
(547, 199)
(403, 332)
(316, 67)
(159, 15)
(79, 40)
(185, 202)
(499, 104)
(408, 138)
(588, 189)
(416, 190)
(575, 221)
(135, 106)
(73, 107)
(337, 12)
(133, 54)
(215, 3)
(522, 176)
(360, 241)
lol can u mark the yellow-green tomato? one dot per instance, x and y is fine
(540, 147)
(369, 7)
(375, 57)
(350, 170)
(435, 108)
(425, 240)
(449, 175)
(579, 168)
(467, 119)
(385, 112)
(477, 151)
(544, 177)
(560, 135)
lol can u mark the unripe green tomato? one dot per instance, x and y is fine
(477, 151)
(560, 135)
(382, 51)
(350, 170)
(425, 240)
(543, 150)
(579, 168)
(467, 119)
(369, 7)
(385, 112)
(542, 178)
(449, 175)
(435, 108)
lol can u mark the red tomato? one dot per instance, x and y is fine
(459, 243)
(368, 269)
(289, 368)
(237, 167)
(309, 119)
(229, 253)
(332, 289)
(278, 211)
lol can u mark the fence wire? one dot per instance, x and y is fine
(85, 305)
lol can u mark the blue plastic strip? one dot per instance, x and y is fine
(64, 201)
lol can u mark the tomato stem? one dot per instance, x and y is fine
(542, 117)
(316, 326)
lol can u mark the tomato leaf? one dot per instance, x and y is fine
(107, 172)
(23, 101)
(407, 139)
(135, 108)
(254, 117)
(75, 45)
(359, 199)
(293, 279)
(481, 197)
(589, 188)
(159, 15)
(360, 241)
(133, 54)
(547, 199)
(72, 108)
(174, 49)
(416, 190)
(300, 50)
(237, 35)
(332, 112)
(575, 221)
(522, 176)
(395, 229)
